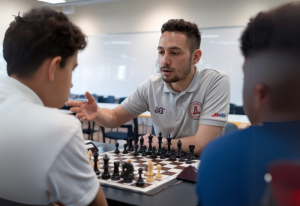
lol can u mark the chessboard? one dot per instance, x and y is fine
(169, 170)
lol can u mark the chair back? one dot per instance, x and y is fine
(239, 110)
(106, 99)
(229, 127)
(121, 99)
(232, 108)
(82, 96)
(284, 180)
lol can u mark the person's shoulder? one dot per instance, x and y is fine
(212, 72)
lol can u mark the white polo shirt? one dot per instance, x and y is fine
(205, 101)
(43, 158)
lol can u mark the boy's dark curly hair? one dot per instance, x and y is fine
(189, 29)
(40, 34)
(278, 29)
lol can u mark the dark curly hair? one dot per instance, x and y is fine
(40, 34)
(278, 29)
(189, 29)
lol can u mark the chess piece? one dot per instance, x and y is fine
(189, 160)
(144, 154)
(192, 149)
(95, 154)
(130, 145)
(117, 151)
(125, 150)
(179, 144)
(105, 174)
(141, 144)
(146, 171)
(173, 155)
(168, 154)
(163, 153)
(158, 175)
(140, 181)
(116, 174)
(181, 158)
(150, 172)
(128, 172)
(159, 144)
(153, 155)
(149, 150)
(136, 152)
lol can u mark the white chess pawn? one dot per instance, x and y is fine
(158, 175)
(150, 173)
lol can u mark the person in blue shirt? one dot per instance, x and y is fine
(233, 167)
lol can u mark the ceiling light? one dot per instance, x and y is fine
(54, 1)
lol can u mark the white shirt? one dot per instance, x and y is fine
(205, 101)
(43, 158)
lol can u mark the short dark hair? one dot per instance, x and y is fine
(278, 29)
(40, 34)
(189, 29)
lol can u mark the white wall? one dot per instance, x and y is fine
(149, 15)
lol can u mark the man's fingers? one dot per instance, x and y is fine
(74, 103)
(75, 109)
(80, 115)
(90, 98)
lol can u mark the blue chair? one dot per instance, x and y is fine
(116, 135)
(121, 99)
(232, 108)
(229, 127)
(106, 99)
(239, 110)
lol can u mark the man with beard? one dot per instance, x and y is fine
(185, 102)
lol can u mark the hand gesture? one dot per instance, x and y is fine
(86, 111)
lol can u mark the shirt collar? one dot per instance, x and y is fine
(191, 88)
(26, 91)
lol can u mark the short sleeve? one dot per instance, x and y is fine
(71, 178)
(137, 102)
(216, 104)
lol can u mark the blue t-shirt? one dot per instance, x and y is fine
(232, 167)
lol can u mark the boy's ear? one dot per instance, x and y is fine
(54, 65)
(261, 96)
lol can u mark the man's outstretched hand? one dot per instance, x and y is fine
(85, 111)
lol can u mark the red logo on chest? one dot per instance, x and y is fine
(195, 109)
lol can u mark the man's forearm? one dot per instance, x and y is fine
(106, 118)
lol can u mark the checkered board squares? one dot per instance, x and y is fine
(169, 170)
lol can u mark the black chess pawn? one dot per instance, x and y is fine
(159, 144)
(163, 153)
(189, 160)
(181, 158)
(153, 155)
(173, 155)
(136, 152)
(130, 145)
(117, 151)
(116, 174)
(141, 144)
(105, 174)
(169, 140)
(140, 181)
(192, 149)
(125, 150)
(144, 153)
(179, 144)
(149, 150)
(95, 155)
